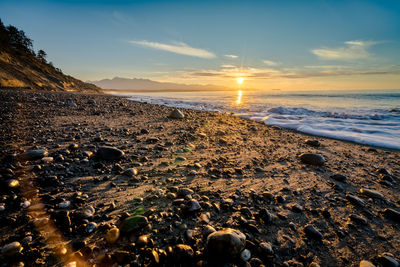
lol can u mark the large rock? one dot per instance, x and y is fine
(34, 154)
(225, 245)
(109, 153)
(11, 249)
(371, 193)
(176, 114)
(312, 159)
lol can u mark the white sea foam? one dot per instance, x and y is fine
(370, 118)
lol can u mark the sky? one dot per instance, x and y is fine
(288, 45)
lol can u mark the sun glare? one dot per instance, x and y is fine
(239, 80)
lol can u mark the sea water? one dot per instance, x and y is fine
(370, 117)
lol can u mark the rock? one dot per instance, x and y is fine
(35, 154)
(208, 230)
(245, 255)
(176, 114)
(311, 232)
(110, 153)
(339, 177)
(355, 200)
(112, 235)
(131, 172)
(371, 193)
(192, 206)
(225, 245)
(314, 143)
(135, 222)
(87, 212)
(183, 192)
(365, 263)
(297, 208)
(265, 216)
(65, 204)
(312, 159)
(392, 214)
(91, 227)
(11, 249)
(142, 241)
(183, 253)
(387, 260)
(358, 219)
(265, 249)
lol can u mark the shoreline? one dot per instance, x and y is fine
(206, 171)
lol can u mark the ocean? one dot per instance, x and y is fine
(370, 117)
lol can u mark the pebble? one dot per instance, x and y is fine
(131, 172)
(339, 177)
(133, 223)
(371, 193)
(88, 212)
(225, 245)
(355, 200)
(183, 192)
(91, 227)
(11, 249)
(35, 154)
(110, 153)
(312, 232)
(192, 205)
(386, 260)
(314, 143)
(183, 253)
(266, 249)
(392, 214)
(112, 235)
(365, 263)
(176, 114)
(245, 255)
(312, 159)
(358, 219)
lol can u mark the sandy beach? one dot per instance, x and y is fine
(101, 180)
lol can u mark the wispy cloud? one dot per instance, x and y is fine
(270, 63)
(265, 73)
(231, 56)
(227, 66)
(351, 50)
(177, 48)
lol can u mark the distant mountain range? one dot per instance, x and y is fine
(135, 84)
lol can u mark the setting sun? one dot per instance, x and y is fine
(239, 80)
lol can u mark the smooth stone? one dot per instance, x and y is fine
(265, 215)
(90, 227)
(365, 263)
(245, 255)
(176, 114)
(387, 261)
(112, 235)
(225, 245)
(355, 200)
(192, 206)
(208, 229)
(314, 143)
(35, 154)
(339, 177)
(183, 253)
(183, 192)
(312, 232)
(358, 219)
(131, 172)
(297, 208)
(88, 212)
(142, 241)
(392, 214)
(371, 193)
(11, 249)
(133, 223)
(110, 153)
(266, 249)
(312, 159)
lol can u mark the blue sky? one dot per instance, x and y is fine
(272, 44)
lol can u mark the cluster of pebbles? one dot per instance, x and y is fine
(97, 180)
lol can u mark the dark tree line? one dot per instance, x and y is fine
(14, 39)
